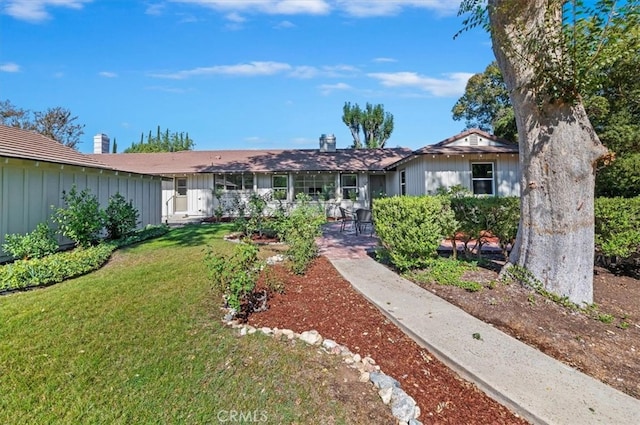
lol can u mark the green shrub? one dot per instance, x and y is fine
(503, 217)
(617, 227)
(54, 268)
(37, 244)
(412, 228)
(235, 275)
(81, 220)
(60, 266)
(121, 218)
(299, 231)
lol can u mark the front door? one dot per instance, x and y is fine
(180, 196)
(377, 186)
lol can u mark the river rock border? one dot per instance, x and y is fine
(403, 406)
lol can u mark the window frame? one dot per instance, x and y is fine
(279, 190)
(315, 185)
(345, 190)
(246, 182)
(403, 182)
(492, 179)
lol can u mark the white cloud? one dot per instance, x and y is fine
(10, 67)
(271, 7)
(284, 25)
(37, 10)
(453, 85)
(383, 60)
(108, 74)
(326, 89)
(356, 8)
(235, 17)
(155, 9)
(244, 69)
(368, 8)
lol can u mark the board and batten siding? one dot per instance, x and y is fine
(28, 190)
(427, 173)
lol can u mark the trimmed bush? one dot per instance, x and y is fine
(60, 266)
(37, 244)
(412, 228)
(617, 227)
(54, 268)
(121, 218)
(81, 220)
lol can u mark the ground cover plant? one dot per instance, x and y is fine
(141, 341)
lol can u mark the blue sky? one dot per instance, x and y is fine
(240, 74)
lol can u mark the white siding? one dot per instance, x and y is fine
(425, 174)
(29, 189)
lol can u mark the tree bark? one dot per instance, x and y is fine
(558, 152)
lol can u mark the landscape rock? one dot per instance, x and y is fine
(403, 406)
(266, 330)
(364, 377)
(380, 380)
(329, 344)
(385, 394)
(311, 337)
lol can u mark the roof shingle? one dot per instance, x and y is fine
(24, 144)
(256, 161)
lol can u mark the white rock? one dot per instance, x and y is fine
(357, 358)
(243, 331)
(251, 330)
(266, 330)
(369, 360)
(364, 377)
(385, 394)
(311, 337)
(329, 344)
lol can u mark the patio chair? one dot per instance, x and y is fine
(345, 217)
(363, 218)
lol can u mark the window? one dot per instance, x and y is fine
(349, 184)
(317, 186)
(280, 185)
(482, 178)
(234, 182)
(181, 186)
(403, 182)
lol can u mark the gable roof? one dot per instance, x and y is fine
(24, 144)
(445, 147)
(254, 161)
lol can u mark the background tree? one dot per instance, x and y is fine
(375, 123)
(58, 124)
(559, 148)
(486, 104)
(55, 123)
(162, 142)
(12, 116)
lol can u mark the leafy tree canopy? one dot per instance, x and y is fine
(486, 104)
(375, 123)
(162, 142)
(56, 123)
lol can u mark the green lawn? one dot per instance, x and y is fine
(140, 341)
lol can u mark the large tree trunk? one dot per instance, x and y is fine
(558, 152)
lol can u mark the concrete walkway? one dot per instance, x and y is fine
(532, 384)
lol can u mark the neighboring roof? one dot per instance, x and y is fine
(24, 144)
(444, 148)
(255, 161)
